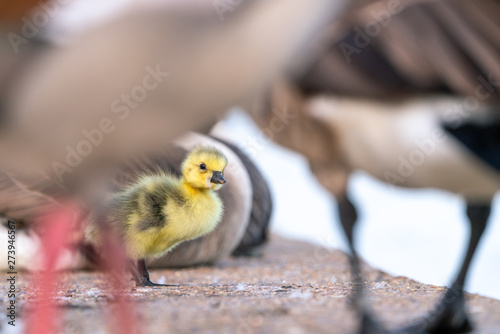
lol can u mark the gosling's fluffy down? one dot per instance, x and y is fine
(160, 210)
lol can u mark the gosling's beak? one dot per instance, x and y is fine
(217, 178)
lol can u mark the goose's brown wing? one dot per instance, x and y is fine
(437, 46)
(12, 11)
(24, 199)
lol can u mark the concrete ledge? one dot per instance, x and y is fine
(294, 288)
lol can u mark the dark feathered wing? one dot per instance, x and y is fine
(28, 199)
(434, 46)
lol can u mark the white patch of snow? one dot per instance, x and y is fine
(300, 294)
(162, 280)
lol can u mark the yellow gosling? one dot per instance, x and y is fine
(159, 210)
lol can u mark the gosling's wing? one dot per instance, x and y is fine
(131, 198)
(146, 201)
(150, 203)
(24, 199)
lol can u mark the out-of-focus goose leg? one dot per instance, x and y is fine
(348, 218)
(450, 315)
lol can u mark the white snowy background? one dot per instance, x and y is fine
(420, 234)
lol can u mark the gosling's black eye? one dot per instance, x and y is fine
(203, 167)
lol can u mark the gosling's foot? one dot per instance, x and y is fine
(141, 275)
(147, 282)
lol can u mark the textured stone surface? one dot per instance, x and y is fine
(294, 288)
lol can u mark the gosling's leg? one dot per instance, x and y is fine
(451, 316)
(141, 275)
(348, 219)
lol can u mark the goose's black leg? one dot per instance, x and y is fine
(141, 275)
(348, 218)
(450, 316)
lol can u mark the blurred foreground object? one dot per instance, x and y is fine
(144, 78)
(411, 96)
(70, 114)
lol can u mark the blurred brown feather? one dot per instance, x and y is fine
(23, 201)
(211, 66)
(12, 12)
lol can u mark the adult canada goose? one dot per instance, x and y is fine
(431, 71)
(416, 143)
(418, 147)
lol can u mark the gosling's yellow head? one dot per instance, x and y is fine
(204, 168)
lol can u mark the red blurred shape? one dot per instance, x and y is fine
(115, 261)
(57, 229)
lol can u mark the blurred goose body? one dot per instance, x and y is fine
(156, 44)
(416, 142)
(408, 144)
(428, 142)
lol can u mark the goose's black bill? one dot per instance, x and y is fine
(217, 178)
